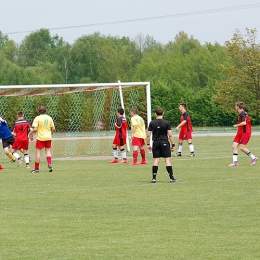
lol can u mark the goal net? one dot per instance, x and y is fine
(83, 114)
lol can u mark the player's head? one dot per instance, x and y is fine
(183, 105)
(20, 114)
(42, 109)
(134, 110)
(120, 111)
(159, 111)
(239, 105)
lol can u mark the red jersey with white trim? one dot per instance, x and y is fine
(244, 129)
(21, 128)
(122, 123)
(187, 127)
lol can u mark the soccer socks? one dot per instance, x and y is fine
(235, 156)
(9, 155)
(36, 166)
(191, 147)
(123, 154)
(179, 148)
(27, 158)
(115, 153)
(142, 151)
(154, 171)
(170, 172)
(49, 161)
(251, 155)
(135, 156)
(16, 155)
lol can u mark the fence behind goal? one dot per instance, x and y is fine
(84, 114)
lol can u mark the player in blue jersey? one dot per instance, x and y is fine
(7, 138)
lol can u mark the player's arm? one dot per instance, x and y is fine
(32, 131)
(243, 119)
(148, 140)
(118, 124)
(53, 130)
(134, 130)
(170, 135)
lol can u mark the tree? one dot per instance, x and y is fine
(243, 73)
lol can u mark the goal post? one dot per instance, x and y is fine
(84, 114)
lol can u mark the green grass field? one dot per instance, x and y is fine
(94, 210)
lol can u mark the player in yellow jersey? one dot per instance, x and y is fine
(44, 128)
(138, 136)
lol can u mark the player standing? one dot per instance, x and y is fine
(21, 129)
(44, 128)
(244, 131)
(120, 137)
(186, 130)
(138, 136)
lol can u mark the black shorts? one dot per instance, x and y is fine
(161, 148)
(8, 141)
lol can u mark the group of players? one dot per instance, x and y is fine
(162, 136)
(22, 131)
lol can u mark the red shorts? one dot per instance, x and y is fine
(119, 141)
(185, 135)
(138, 141)
(242, 138)
(20, 144)
(43, 144)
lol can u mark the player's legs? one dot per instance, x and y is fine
(235, 154)
(48, 154)
(156, 162)
(180, 144)
(123, 154)
(6, 143)
(135, 154)
(191, 146)
(244, 141)
(143, 154)
(8, 154)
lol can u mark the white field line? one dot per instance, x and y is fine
(105, 136)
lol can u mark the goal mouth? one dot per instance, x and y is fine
(83, 114)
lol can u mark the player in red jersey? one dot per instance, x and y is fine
(21, 129)
(243, 135)
(186, 130)
(120, 136)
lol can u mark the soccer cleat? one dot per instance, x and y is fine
(143, 162)
(233, 164)
(35, 171)
(134, 163)
(27, 166)
(153, 181)
(1, 167)
(12, 161)
(114, 161)
(123, 162)
(177, 154)
(50, 167)
(254, 161)
(192, 155)
(20, 160)
(174, 181)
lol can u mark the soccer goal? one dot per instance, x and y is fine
(84, 114)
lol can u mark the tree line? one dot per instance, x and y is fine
(209, 78)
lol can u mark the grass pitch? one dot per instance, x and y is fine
(94, 210)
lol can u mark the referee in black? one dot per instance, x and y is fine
(161, 133)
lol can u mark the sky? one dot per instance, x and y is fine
(205, 20)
